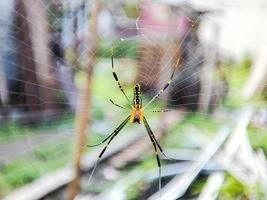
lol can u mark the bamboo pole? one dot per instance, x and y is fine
(83, 107)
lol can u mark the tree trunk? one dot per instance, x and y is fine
(26, 58)
(40, 38)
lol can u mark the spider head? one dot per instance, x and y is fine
(137, 87)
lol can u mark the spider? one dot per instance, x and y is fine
(136, 116)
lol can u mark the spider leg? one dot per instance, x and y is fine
(161, 110)
(116, 77)
(155, 140)
(110, 137)
(116, 104)
(155, 150)
(113, 133)
(165, 86)
(94, 145)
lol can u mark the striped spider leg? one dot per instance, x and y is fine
(115, 104)
(165, 86)
(117, 79)
(109, 138)
(153, 140)
(161, 111)
(157, 147)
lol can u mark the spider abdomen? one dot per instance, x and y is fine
(137, 101)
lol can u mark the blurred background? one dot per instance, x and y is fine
(56, 84)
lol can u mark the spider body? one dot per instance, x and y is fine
(137, 115)
(137, 101)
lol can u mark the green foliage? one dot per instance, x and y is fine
(121, 49)
(26, 169)
(236, 75)
(206, 123)
(65, 121)
(197, 186)
(131, 10)
(132, 191)
(20, 172)
(232, 189)
(12, 131)
(203, 123)
(148, 163)
(258, 138)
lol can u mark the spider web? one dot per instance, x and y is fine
(161, 41)
(157, 43)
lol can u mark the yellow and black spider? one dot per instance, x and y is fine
(136, 116)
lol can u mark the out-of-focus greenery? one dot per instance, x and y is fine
(45, 158)
(27, 168)
(12, 131)
(232, 189)
(197, 186)
(258, 138)
(121, 49)
(148, 163)
(236, 74)
(200, 123)
(131, 10)
(132, 191)
(51, 157)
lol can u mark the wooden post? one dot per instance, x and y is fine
(26, 57)
(83, 107)
(40, 39)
